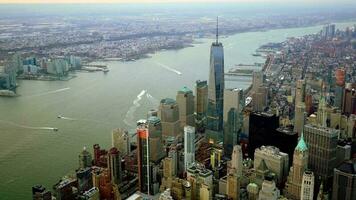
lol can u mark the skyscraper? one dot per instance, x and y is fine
(156, 142)
(233, 118)
(264, 131)
(201, 89)
(276, 161)
(114, 164)
(257, 80)
(307, 190)
(300, 164)
(143, 150)
(216, 89)
(189, 146)
(349, 105)
(121, 140)
(344, 184)
(322, 146)
(169, 115)
(84, 178)
(299, 117)
(300, 91)
(236, 160)
(233, 187)
(185, 101)
(339, 88)
(300, 107)
(269, 191)
(85, 159)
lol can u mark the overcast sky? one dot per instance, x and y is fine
(178, 1)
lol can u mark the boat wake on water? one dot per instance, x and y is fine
(50, 92)
(169, 68)
(153, 100)
(28, 127)
(87, 120)
(129, 118)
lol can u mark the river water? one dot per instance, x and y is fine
(95, 103)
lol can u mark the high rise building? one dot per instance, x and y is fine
(309, 104)
(300, 165)
(198, 176)
(276, 161)
(300, 91)
(300, 106)
(299, 117)
(84, 178)
(322, 146)
(156, 142)
(260, 99)
(264, 130)
(322, 113)
(349, 105)
(169, 115)
(114, 164)
(233, 118)
(252, 189)
(269, 191)
(236, 161)
(120, 139)
(205, 192)
(339, 88)
(257, 80)
(63, 190)
(216, 87)
(307, 190)
(85, 159)
(39, 192)
(185, 101)
(201, 89)
(233, 187)
(344, 184)
(143, 149)
(100, 156)
(7, 77)
(189, 146)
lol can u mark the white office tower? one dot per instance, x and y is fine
(269, 191)
(307, 191)
(236, 160)
(189, 146)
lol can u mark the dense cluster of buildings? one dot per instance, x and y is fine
(54, 68)
(129, 33)
(296, 139)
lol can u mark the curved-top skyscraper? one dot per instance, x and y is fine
(216, 86)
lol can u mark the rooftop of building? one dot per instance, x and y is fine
(153, 120)
(185, 90)
(348, 167)
(301, 146)
(168, 101)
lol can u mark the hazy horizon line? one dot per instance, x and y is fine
(281, 2)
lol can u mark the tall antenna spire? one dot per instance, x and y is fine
(217, 29)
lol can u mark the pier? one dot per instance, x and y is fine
(97, 66)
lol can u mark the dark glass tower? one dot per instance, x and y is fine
(216, 87)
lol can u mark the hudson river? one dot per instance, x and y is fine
(95, 103)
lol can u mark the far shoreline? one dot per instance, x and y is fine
(196, 41)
